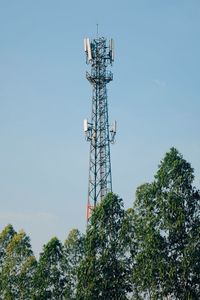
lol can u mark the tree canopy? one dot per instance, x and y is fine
(149, 251)
(167, 224)
(104, 270)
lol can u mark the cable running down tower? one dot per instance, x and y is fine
(98, 132)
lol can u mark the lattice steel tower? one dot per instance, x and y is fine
(98, 132)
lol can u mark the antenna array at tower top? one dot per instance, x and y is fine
(90, 49)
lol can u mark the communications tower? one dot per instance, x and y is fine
(99, 55)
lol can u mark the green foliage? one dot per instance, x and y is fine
(103, 272)
(5, 237)
(18, 268)
(167, 224)
(151, 251)
(50, 278)
(73, 255)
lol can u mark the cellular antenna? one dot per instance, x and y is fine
(97, 30)
(98, 132)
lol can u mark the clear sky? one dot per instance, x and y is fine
(44, 98)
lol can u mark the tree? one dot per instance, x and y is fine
(73, 255)
(150, 260)
(5, 237)
(167, 229)
(129, 247)
(103, 273)
(49, 278)
(18, 268)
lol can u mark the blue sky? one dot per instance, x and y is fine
(44, 98)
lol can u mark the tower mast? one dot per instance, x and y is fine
(99, 56)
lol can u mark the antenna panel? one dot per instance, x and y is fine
(85, 125)
(89, 49)
(114, 127)
(110, 45)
